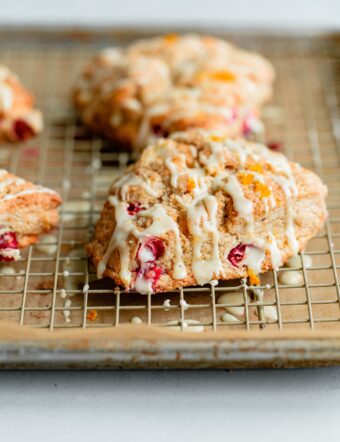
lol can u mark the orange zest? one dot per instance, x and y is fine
(92, 315)
(171, 38)
(262, 189)
(254, 279)
(255, 167)
(225, 76)
(246, 178)
(216, 138)
(191, 184)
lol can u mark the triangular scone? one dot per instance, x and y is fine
(26, 211)
(158, 86)
(199, 207)
(19, 121)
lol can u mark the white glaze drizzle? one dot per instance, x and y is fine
(296, 261)
(201, 220)
(275, 251)
(189, 325)
(253, 258)
(260, 178)
(28, 192)
(228, 317)
(6, 98)
(232, 298)
(289, 190)
(242, 205)
(66, 311)
(131, 179)
(184, 304)
(173, 168)
(167, 303)
(124, 227)
(143, 285)
(291, 278)
(196, 174)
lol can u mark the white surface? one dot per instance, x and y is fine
(275, 406)
(288, 13)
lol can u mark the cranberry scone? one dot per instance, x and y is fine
(158, 86)
(19, 121)
(26, 211)
(198, 207)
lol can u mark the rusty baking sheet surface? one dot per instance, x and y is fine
(291, 325)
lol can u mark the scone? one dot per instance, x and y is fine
(26, 211)
(198, 207)
(172, 83)
(19, 121)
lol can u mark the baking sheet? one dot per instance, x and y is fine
(303, 117)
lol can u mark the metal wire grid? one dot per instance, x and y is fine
(304, 117)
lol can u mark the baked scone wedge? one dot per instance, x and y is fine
(19, 121)
(200, 207)
(158, 86)
(26, 211)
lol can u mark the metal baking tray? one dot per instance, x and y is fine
(91, 326)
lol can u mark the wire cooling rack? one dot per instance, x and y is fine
(53, 286)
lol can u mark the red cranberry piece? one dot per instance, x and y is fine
(22, 130)
(151, 249)
(148, 252)
(234, 115)
(275, 146)
(159, 131)
(8, 240)
(236, 254)
(152, 271)
(246, 129)
(134, 208)
(6, 258)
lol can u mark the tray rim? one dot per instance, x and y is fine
(154, 347)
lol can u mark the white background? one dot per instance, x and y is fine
(179, 406)
(268, 13)
(219, 406)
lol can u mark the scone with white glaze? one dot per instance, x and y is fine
(19, 121)
(26, 211)
(201, 207)
(158, 86)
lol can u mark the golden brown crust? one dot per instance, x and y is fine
(19, 120)
(166, 84)
(216, 191)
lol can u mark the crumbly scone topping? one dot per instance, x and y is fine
(18, 120)
(203, 207)
(173, 82)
